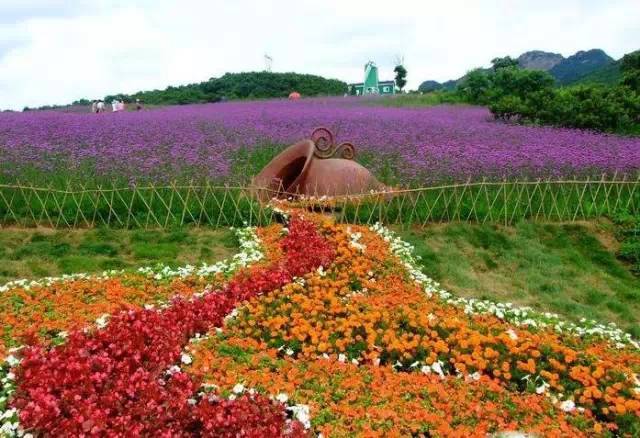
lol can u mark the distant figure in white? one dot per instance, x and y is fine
(100, 107)
(121, 106)
(94, 107)
(114, 105)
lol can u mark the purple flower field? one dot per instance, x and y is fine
(426, 145)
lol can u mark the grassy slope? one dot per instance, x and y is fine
(569, 269)
(32, 253)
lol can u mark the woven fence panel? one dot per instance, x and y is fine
(166, 206)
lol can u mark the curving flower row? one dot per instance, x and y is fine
(335, 331)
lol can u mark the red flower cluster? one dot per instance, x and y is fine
(115, 381)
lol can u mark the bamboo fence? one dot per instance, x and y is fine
(171, 205)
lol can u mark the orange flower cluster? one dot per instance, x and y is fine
(45, 311)
(350, 400)
(364, 308)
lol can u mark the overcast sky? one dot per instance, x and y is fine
(56, 51)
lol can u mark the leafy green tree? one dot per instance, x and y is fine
(504, 62)
(401, 76)
(630, 67)
(476, 86)
(519, 82)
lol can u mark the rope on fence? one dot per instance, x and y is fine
(164, 206)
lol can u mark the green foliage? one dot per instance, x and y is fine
(476, 87)
(630, 67)
(610, 74)
(628, 233)
(506, 62)
(614, 109)
(82, 101)
(529, 96)
(514, 81)
(401, 76)
(439, 97)
(250, 85)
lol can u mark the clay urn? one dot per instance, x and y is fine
(315, 167)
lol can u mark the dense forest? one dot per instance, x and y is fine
(251, 85)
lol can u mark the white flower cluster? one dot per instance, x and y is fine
(9, 424)
(249, 252)
(273, 205)
(48, 281)
(354, 240)
(505, 311)
(299, 412)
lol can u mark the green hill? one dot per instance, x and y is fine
(607, 75)
(249, 85)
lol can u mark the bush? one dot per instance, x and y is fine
(628, 232)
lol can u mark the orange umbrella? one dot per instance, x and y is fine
(294, 95)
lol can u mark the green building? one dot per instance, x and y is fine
(371, 84)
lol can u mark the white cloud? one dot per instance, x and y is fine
(57, 51)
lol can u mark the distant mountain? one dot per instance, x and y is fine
(539, 60)
(579, 65)
(428, 86)
(590, 66)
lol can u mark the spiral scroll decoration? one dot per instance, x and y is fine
(324, 140)
(346, 150)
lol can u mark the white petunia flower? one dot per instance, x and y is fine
(567, 405)
(238, 388)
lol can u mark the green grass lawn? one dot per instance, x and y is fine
(570, 269)
(34, 253)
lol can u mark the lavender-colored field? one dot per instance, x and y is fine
(425, 144)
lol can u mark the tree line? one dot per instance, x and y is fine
(530, 96)
(250, 85)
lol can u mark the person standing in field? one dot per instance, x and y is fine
(138, 105)
(100, 107)
(94, 107)
(121, 106)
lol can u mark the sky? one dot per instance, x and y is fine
(57, 51)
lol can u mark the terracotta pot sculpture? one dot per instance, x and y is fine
(316, 167)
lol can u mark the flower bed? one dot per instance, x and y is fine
(192, 141)
(338, 326)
